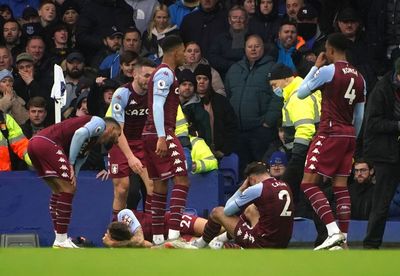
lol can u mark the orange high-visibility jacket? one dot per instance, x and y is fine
(18, 144)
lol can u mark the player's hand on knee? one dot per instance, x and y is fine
(103, 175)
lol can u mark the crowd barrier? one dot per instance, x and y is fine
(24, 208)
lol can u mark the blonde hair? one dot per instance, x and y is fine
(161, 7)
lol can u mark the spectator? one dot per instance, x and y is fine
(361, 189)
(47, 12)
(249, 6)
(383, 34)
(308, 29)
(228, 47)
(100, 95)
(6, 60)
(96, 18)
(10, 102)
(37, 117)
(197, 118)
(349, 24)
(142, 11)
(292, 8)
(180, 9)
(204, 24)
(127, 61)
(257, 108)
(25, 83)
(277, 164)
(81, 105)
(12, 37)
(193, 58)
(159, 27)
(131, 42)
(18, 6)
(58, 43)
(266, 20)
(30, 24)
(223, 121)
(74, 72)
(288, 47)
(381, 146)
(5, 12)
(36, 48)
(112, 41)
(11, 137)
(69, 13)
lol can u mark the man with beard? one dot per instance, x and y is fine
(11, 35)
(74, 71)
(112, 41)
(361, 189)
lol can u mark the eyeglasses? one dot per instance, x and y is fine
(360, 170)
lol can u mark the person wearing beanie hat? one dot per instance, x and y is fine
(196, 116)
(381, 146)
(277, 164)
(193, 57)
(10, 102)
(299, 119)
(204, 79)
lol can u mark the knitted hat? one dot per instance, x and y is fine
(5, 74)
(186, 75)
(278, 158)
(203, 69)
(279, 71)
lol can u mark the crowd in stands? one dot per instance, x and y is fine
(231, 47)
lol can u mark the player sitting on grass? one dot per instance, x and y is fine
(273, 201)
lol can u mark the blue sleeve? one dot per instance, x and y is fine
(128, 217)
(95, 127)
(240, 200)
(118, 103)
(314, 79)
(162, 81)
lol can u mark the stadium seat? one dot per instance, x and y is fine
(19, 240)
(229, 168)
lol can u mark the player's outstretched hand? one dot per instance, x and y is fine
(321, 60)
(161, 149)
(103, 175)
(135, 165)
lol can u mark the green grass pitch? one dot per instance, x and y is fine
(141, 262)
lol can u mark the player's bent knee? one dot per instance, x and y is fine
(216, 213)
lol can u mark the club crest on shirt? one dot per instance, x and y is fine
(114, 168)
(117, 107)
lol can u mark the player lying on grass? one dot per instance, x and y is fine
(271, 197)
(133, 229)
